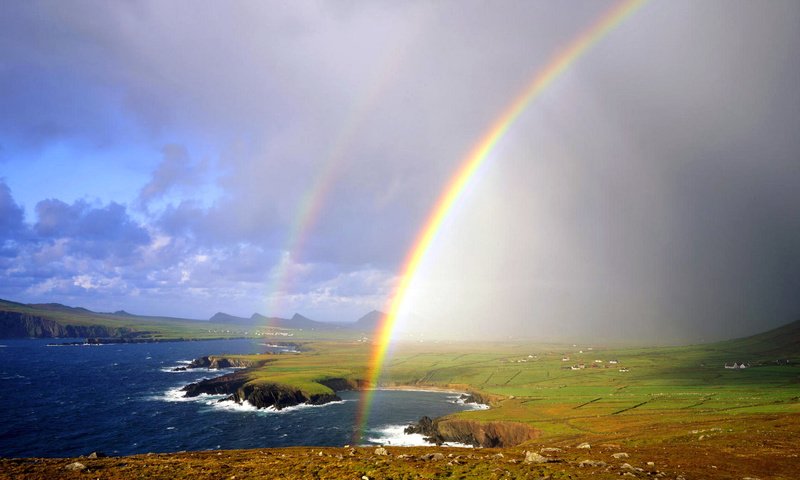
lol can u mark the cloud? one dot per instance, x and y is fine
(649, 191)
(11, 214)
(175, 170)
(97, 232)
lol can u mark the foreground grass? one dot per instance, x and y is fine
(720, 457)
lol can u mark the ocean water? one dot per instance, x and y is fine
(124, 399)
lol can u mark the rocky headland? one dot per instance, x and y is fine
(24, 325)
(241, 387)
(216, 362)
(469, 432)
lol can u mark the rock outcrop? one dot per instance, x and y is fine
(239, 388)
(470, 432)
(215, 362)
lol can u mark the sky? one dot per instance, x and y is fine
(183, 158)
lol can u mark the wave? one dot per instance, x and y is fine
(232, 406)
(281, 348)
(303, 406)
(176, 394)
(395, 435)
(472, 406)
(218, 372)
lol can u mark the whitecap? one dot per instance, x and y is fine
(176, 394)
(472, 406)
(303, 406)
(395, 435)
(232, 406)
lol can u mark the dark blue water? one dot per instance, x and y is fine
(123, 399)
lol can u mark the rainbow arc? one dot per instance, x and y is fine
(464, 175)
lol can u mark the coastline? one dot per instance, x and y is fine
(127, 340)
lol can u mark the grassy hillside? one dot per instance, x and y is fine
(123, 324)
(667, 392)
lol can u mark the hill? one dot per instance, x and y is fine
(370, 321)
(783, 341)
(54, 320)
(221, 317)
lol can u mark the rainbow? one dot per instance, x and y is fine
(312, 202)
(469, 166)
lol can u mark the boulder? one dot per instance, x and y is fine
(550, 450)
(381, 451)
(533, 457)
(620, 455)
(433, 457)
(75, 467)
(584, 445)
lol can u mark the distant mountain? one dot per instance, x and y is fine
(369, 322)
(297, 321)
(221, 317)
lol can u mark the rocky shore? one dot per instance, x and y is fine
(238, 387)
(468, 432)
(216, 362)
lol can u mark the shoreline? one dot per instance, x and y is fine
(412, 388)
(96, 342)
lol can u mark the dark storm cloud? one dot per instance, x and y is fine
(650, 191)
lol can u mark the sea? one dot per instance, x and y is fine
(124, 399)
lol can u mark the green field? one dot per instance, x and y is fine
(667, 392)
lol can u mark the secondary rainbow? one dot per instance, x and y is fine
(469, 166)
(311, 204)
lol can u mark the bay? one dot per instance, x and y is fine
(124, 399)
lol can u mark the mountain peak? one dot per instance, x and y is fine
(221, 317)
(370, 321)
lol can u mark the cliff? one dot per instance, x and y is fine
(471, 432)
(24, 325)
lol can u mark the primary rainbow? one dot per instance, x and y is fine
(459, 181)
